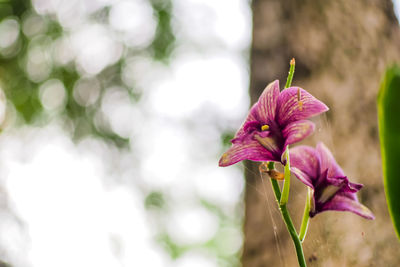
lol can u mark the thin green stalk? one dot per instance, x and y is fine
(293, 235)
(288, 220)
(306, 216)
(286, 183)
(277, 190)
(271, 165)
(291, 73)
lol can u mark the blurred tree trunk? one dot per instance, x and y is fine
(341, 48)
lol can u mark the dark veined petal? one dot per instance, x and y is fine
(248, 149)
(328, 162)
(251, 117)
(298, 130)
(306, 160)
(342, 202)
(266, 105)
(295, 103)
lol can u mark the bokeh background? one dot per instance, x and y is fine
(113, 116)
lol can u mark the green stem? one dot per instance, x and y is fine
(291, 73)
(286, 183)
(277, 190)
(287, 219)
(293, 235)
(306, 216)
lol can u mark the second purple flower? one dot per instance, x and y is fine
(318, 169)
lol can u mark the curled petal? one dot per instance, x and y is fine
(249, 149)
(267, 103)
(295, 103)
(251, 117)
(306, 160)
(298, 130)
(328, 162)
(343, 203)
(345, 185)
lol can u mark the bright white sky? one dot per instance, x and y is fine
(58, 189)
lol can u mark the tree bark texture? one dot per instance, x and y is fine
(341, 48)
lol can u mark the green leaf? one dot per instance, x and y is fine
(389, 132)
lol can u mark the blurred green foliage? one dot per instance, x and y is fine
(23, 92)
(163, 43)
(226, 138)
(154, 200)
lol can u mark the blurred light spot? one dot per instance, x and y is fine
(142, 72)
(13, 237)
(196, 259)
(62, 51)
(86, 91)
(208, 22)
(192, 225)
(95, 48)
(219, 185)
(220, 81)
(52, 94)
(9, 32)
(135, 19)
(43, 6)
(163, 154)
(33, 25)
(11, 116)
(233, 22)
(229, 240)
(118, 110)
(39, 64)
(69, 13)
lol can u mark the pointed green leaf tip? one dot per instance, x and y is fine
(389, 133)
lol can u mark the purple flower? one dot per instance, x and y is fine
(275, 121)
(318, 169)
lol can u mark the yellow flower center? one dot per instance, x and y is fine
(265, 127)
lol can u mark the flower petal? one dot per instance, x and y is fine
(248, 149)
(251, 117)
(302, 176)
(306, 160)
(343, 203)
(298, 130)
(328, 162)
(266, 105)
(291, 109)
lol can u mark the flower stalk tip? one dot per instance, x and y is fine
(291, 73)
